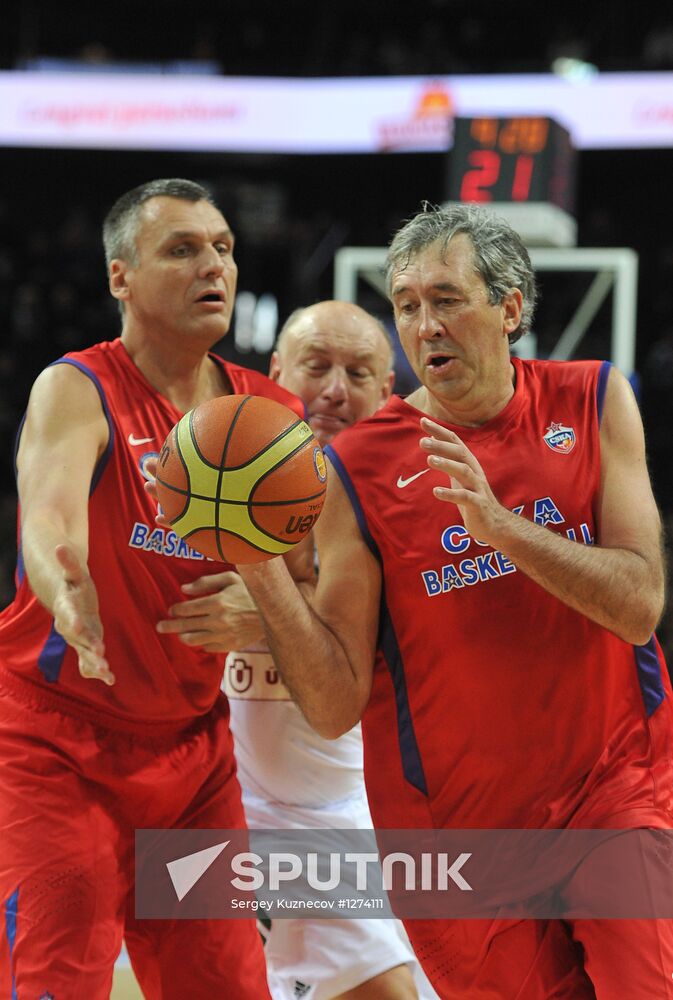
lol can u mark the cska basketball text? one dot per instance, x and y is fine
(166, 543)
(489, 565)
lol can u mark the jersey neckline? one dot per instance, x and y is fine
(132, 367)
(492, 426)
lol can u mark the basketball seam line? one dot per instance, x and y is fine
(253, 458)
(235, 534)
(268, 446)
(240, 503)
(223, 458)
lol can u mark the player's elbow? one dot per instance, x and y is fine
(636, 637)
(332, 729)
(654, 607)
(638, 626)
(337, 723)
(332, 732)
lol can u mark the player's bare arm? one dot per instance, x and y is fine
(619, 582)
(219, 614)
(324, 651)
(64, 435)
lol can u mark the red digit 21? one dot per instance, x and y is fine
(486, 171)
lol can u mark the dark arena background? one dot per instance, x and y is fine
(293, 212)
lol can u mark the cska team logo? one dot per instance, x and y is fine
(560, 438)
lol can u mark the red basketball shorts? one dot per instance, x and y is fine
(71, 796)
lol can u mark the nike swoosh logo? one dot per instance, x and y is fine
(132, 440)
(405, 482)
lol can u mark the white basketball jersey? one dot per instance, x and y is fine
(279, 757)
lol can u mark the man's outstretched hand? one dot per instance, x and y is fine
(76, 616)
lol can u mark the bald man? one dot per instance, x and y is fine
(339, 360)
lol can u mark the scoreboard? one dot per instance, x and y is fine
(521, 161)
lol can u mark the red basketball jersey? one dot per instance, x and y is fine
(494, 704)
(138, 569)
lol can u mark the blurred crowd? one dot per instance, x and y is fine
(299, 38)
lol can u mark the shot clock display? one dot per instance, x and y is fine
(512, 160)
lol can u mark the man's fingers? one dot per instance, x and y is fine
(186, 633)
(457, 470)
(452, 449)
(95, 667)
(212, 583)
(85, 639)
(460, 497)
(452, 457)
(196, 638)
(215, 647)
(437, 431)
(190, 609)
(176, 626)
(88, 637)
(150, 487)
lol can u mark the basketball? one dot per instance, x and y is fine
(241, 478)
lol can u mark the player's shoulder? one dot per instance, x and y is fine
(106, 363)
(70, 368)
(104, 349)
(575, 383)
(559, 372)
(247, 380)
